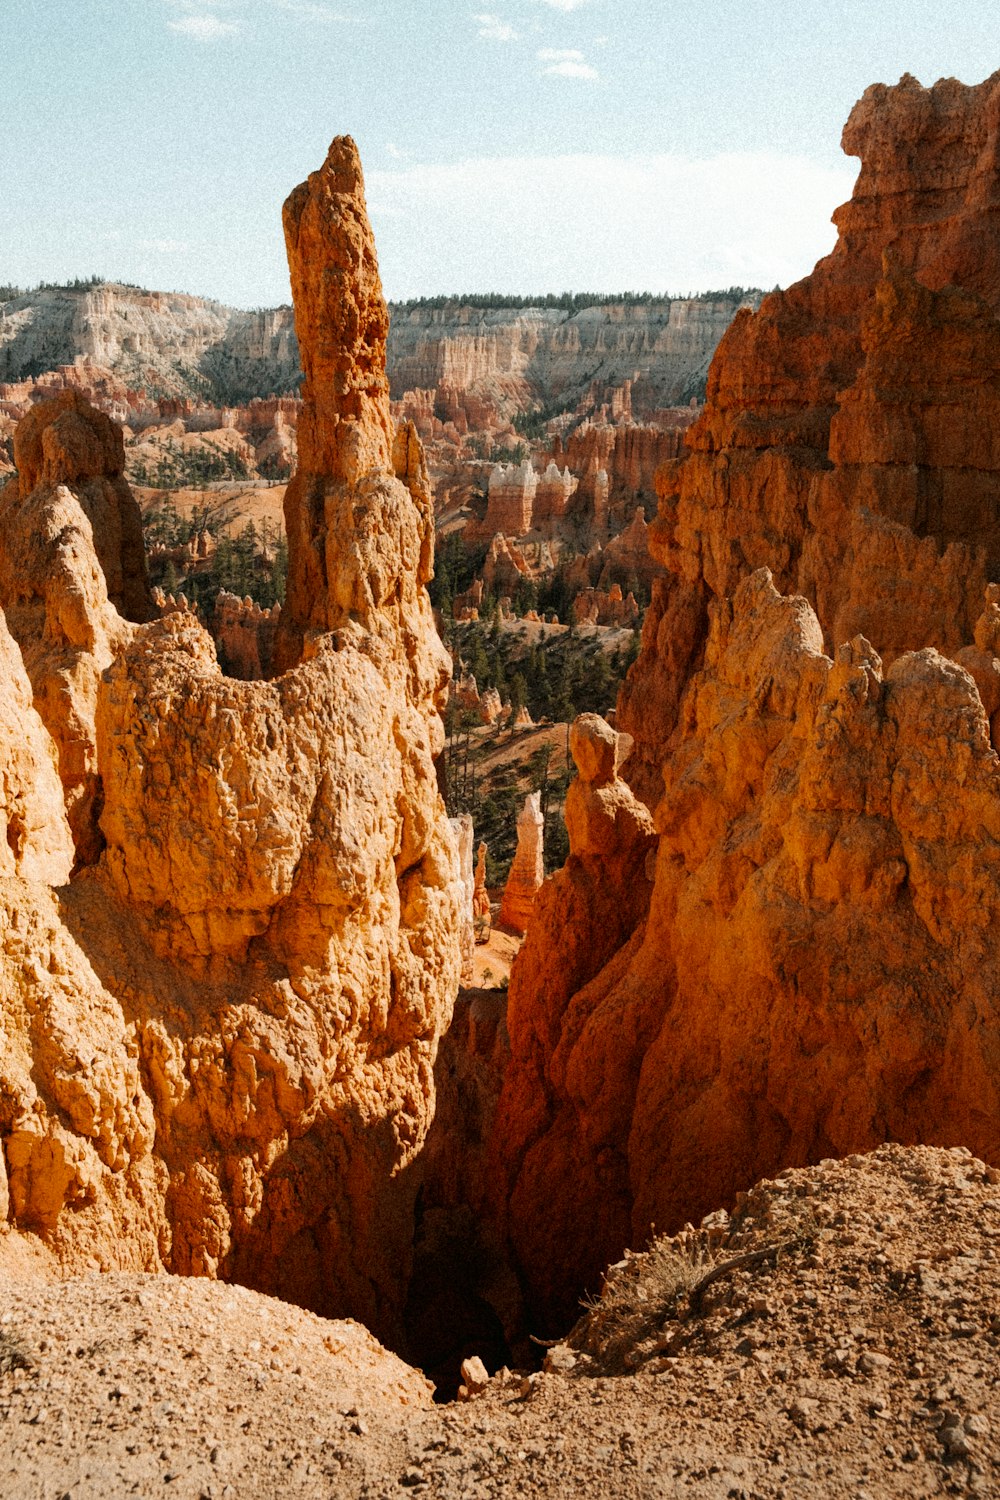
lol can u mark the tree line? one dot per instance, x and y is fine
(567, 301)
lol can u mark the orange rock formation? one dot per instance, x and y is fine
(815, 966)
(219, 1036)
(72, 572)
(527, 869)
(845, 442)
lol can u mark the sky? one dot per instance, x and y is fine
(516, 146)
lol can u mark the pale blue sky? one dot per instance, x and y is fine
(509, 145)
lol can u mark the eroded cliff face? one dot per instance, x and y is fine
(518, 357)
(221, 1031)
(72, 572)
(167, 342)
(173, 345)
(812, 965)
(846, 441)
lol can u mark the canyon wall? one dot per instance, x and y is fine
(796, 956)
(171, 344)
(223, 976)
(554, 357)
(846, 441)
(166, 342)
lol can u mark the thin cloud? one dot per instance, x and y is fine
(565, 62)
(570, 69)
(564, 5)
(601, 222)
(203, 28)
(494, 29)
(310, 12)
(202, 24)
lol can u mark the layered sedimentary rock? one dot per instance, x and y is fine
(187, 346)
(244, 636)
(511, 500)
(626, 559)
(517, 357)
(552, 497)
(814, 966)
(220, 1035)
(504, 566)
(468, 362)
(606, 607)
(627, 454)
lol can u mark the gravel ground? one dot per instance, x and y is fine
(837, 1337)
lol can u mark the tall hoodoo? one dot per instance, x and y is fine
(816, 967)
(341, 321)
(356, 544)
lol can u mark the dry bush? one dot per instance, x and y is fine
(13, 1353)
(640, 1294)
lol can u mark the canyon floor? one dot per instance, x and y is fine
(837, 1337)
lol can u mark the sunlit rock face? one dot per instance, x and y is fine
(221, 1032)
(848, 440)
(797, 957)
(72, 572)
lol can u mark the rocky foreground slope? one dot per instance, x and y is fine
(836, 1337)
(801, 957)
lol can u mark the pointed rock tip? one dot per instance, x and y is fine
(343, 162)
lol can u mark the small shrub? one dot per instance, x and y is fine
(13, 1353)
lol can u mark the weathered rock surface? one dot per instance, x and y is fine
(467, 360)
(176, 344)
(480, 897)
(220, 1034)
(521, 356)
(845, 443)
(816, 969)
(72, 572)
(819, 939)
(463, 833)
(527, 869)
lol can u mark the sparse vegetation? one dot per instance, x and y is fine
(639, 1295)
(9, 292)
(189, 468)
(571, 302)
(555, 677)
(14, 1353)
(253, 563)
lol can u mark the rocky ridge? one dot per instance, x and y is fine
(169, 343)
(540, 355)
(173, 344)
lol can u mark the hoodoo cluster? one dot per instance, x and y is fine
(229, 933)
